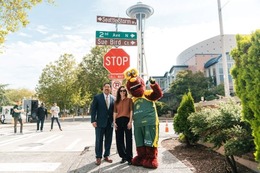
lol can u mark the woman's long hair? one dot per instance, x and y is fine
(118, 96)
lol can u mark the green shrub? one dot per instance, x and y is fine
(223, 126)
(162, 108)
(181, 123)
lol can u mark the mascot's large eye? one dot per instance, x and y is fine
(134, 72)
(127, 75)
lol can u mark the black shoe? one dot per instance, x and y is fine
(123, 161)
(129, 162)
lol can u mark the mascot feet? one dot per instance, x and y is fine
(150, 163)
(150, 160)
(139, 159)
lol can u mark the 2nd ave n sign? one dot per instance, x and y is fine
(116, 60)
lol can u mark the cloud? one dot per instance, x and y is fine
(42, 29)
(164, 44)
(23, 62)
(68, 28)
(53, 37)
(23, 34)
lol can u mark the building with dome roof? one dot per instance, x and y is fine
(205, 56)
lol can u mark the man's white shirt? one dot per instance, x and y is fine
(55, 111)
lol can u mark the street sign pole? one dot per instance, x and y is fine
(116, 60)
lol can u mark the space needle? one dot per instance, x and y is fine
(140, 12)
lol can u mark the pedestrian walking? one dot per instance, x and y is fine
(17, 110)
(41, 113)
(55, 110)
(6, 111)
(102, 120)
(123, 125)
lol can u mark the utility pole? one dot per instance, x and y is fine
(224, 57)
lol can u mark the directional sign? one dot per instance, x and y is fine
(118, 35)
(115, 42)
(116, 20)
(116, 60)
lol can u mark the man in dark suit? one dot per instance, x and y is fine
(102, 109)
(41, 113)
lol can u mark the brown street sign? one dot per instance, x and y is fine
(116, 20)
(115, 42)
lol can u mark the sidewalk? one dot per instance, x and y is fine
(167, 162)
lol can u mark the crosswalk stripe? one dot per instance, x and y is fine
(38, 141)
(72, 144)
(22, 137)
(47, 142)
(51, 140)
(46, 139)
(21, 167)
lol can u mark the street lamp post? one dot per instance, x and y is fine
(224, 57)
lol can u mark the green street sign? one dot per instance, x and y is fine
(116, 35)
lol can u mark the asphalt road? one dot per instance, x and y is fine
(70, 150)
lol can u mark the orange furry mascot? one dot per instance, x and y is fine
(145, 118)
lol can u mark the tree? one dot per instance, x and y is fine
(197, 83)
(223, 126)
(92, 74)
(246, 73)
(181, 123)
(57, 82)
(13, 15)
(3, 98)
(22, 93)
(78, 99)
(162, 108)
(214, 92)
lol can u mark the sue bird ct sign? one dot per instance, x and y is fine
(116, 60)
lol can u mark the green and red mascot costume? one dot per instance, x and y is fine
(145, 118)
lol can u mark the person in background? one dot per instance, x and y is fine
(55, 110)
(41, 113)
(3, 115)
(3, 118)
(123, 110)
(102, 118)
(17, 110)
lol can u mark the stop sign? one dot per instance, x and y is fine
(116, 60)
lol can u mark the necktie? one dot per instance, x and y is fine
(107, 102)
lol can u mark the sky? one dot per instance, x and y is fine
(69, 26)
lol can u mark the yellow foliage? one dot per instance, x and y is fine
(14, 15)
